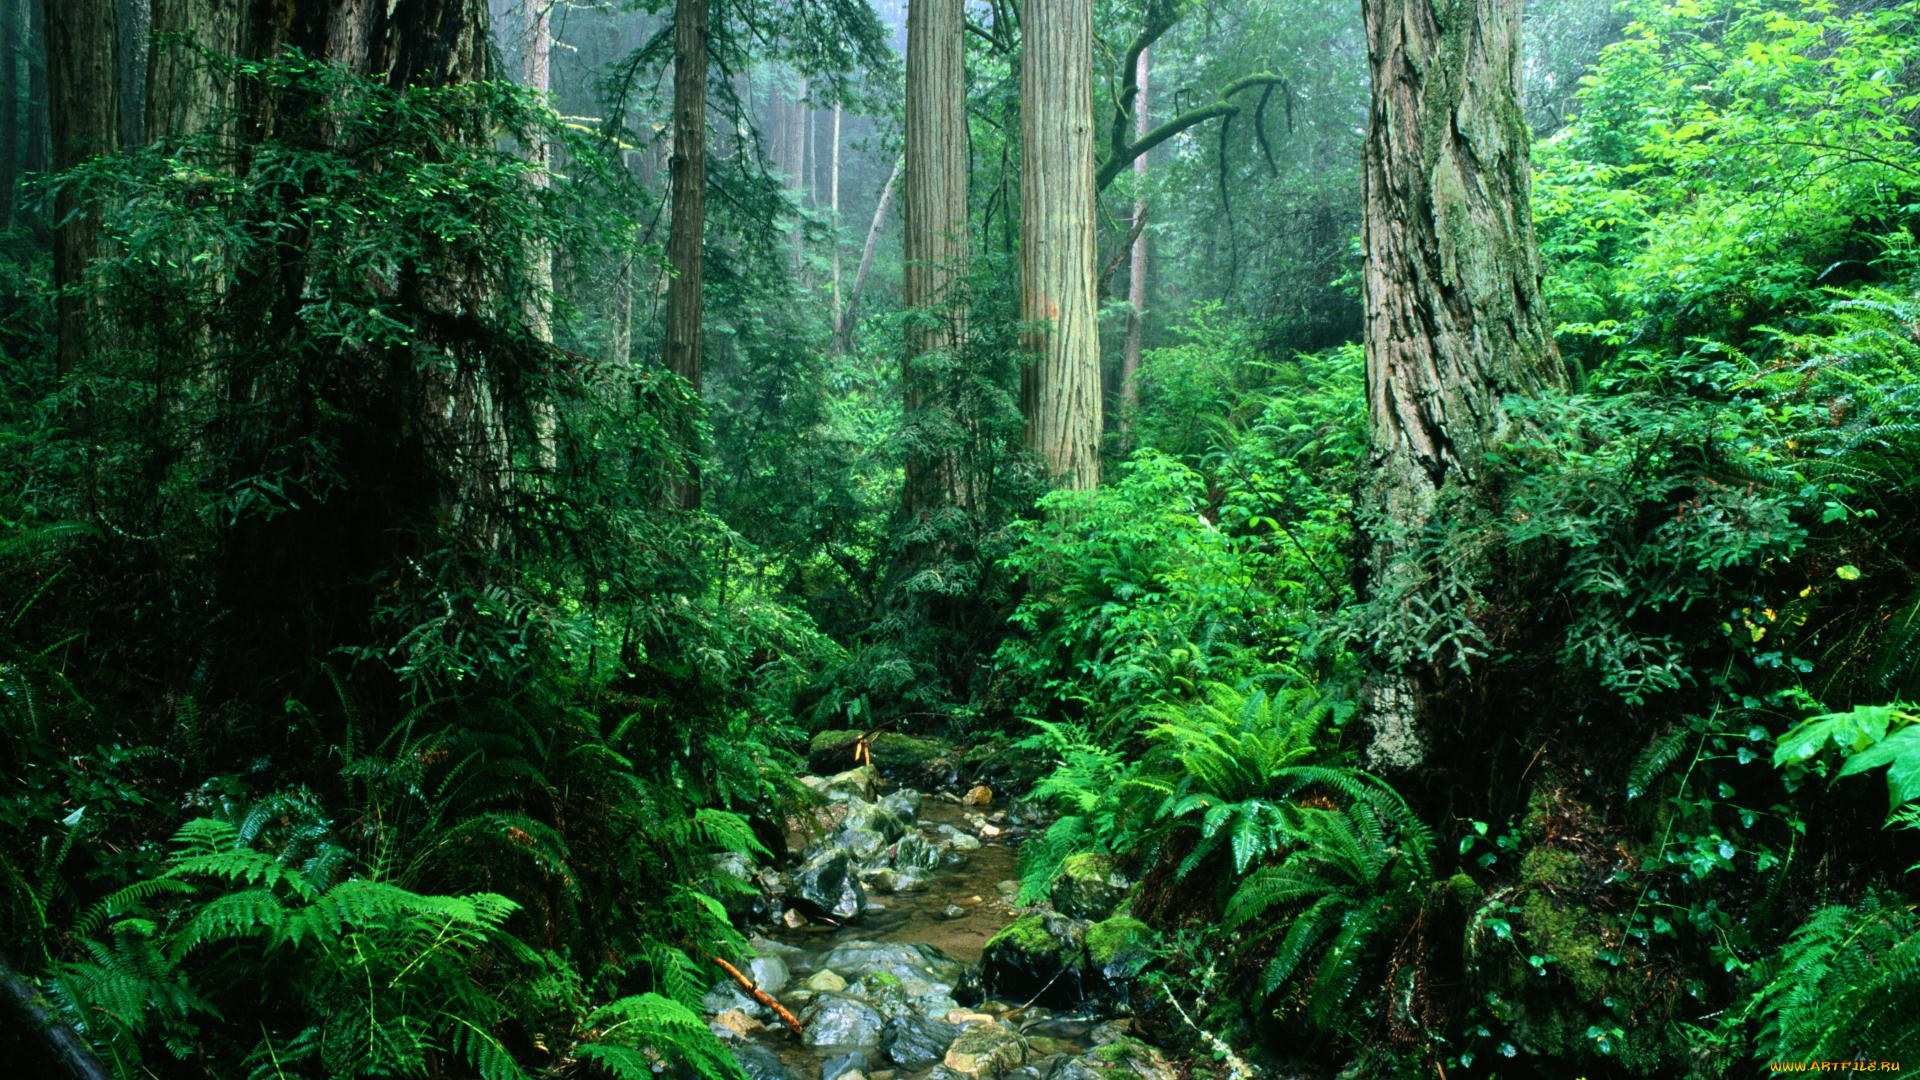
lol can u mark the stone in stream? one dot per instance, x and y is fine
(726, 996)
(917, 1042)
(1088, 886)
(839, 1020)
(957, 839)
(927, 976)
(844, 1066)
(734, 1024)
(852, 784)
(953, 911)
(904, 803)
(760, 1063)
(827, 886)
(913, 852)
(986, 1051)
(1040, 957)
(979, 795)
(888, 880)
(769, 973)
(868, 831)
(1119, 948)
(827, 981)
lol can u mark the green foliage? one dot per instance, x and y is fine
(1868, 737)
(1846, 979)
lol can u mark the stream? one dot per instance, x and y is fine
(884, 937)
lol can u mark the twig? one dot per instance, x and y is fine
(759, 995)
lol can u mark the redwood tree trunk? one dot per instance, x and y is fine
(687, 172)
(1137, 270)
(1060, 392)
(83, 51)
(843, 340)
(935, 206)
(1454, 315)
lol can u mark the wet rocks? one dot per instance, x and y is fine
(1088, 887)
(760, 1063)
(827, 885)
(1041, 957)
(841, 1020)
(986, 1051)
(917, 1042)
(1119, 948)
(844, 1066)
(868, 830)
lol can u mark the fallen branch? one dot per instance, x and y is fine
(758, 994)
(62, 1043)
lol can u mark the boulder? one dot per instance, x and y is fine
(978, 795)
(760, 1063)
(840, 1020)
(1088, 887)
(826, 981)
(852, 784)
(1040, 957)
(904, 803)
(868, 831)
(917, 1042)
(986, 1051)
(913, 852)
(825, 885)
(896, 754)
(926, 975)
(958, 839)
(842, 1066)
(1119, 948)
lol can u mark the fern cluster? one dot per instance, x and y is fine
(1847, 980)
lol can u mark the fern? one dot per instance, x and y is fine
(634, 1035)
(1847, 978)
(1655, 760)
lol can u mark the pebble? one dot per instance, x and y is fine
(953, 911)
(979, 795)
(793, 919)
(738, 1022)
(828, 981)
(988, 832)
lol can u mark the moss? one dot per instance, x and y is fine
(1465, 892)
(1106, 940)
(1086, 865)
(889, 748)
(1573, 936)
(1027, 934)
(1116, 1052)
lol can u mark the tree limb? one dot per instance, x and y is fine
(62, 1042)
(1123, 155)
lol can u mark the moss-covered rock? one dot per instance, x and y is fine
(1118, 948)
(1088, 886)
(892, 752)
(1041, 956)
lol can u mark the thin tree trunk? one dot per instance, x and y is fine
(538, 73)
(843, 343)
(1061, 391)
(136, 26)
(687, 169)
(1137, 271)
(82, 73)
(936, 231)
(38, 157)
(834, 213)
(12, 43)
(1455, 318)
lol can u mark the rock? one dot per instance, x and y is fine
(840, 1020)
(1009, 887)
(868, 831)
(902, 756)
(792, 919)
(913, 852)
(738, 1023)
(769, 973)
(759, 1063)
(1079, 1069)
(985, 1051)
(957, 839)
(1123, 1057)
(953, 911)
(885, 993)
(852, 784)
(894, 881)
(1040, 957)
(990, 832)
(979, 795)
(904, 803)
(726, 996)
(967, 1016)
(926, 975)
(1119, 948)
(917, 1042)
(826, 885)
(730, 869)
(827, 981)
(1088, 887)
(846, 1066)
(766, 946)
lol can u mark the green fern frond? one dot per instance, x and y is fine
(1655, 760)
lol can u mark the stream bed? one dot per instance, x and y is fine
(894, 938)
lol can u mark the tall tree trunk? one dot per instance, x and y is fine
(1137, 270)
(186, 93)
(38, 156)
(537, 70)
(12, 43)
(935, 174)
(83, 47)
(833, 184)
(1061, 391)
(136, 26)
(1454, 314)
(843, 342)
(687, 170)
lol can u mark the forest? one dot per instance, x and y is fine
(959, 539)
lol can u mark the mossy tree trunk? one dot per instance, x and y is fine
(1061, 392)
(1455, 323)
(83, 49)
(686, 229)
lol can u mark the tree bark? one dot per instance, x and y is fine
(12, 44)
(83, 48)
(843, 343)
(1454, 315)
(687, 172)
(1061, 391)
(1137, 271)
(833, 184)
(935, 207)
